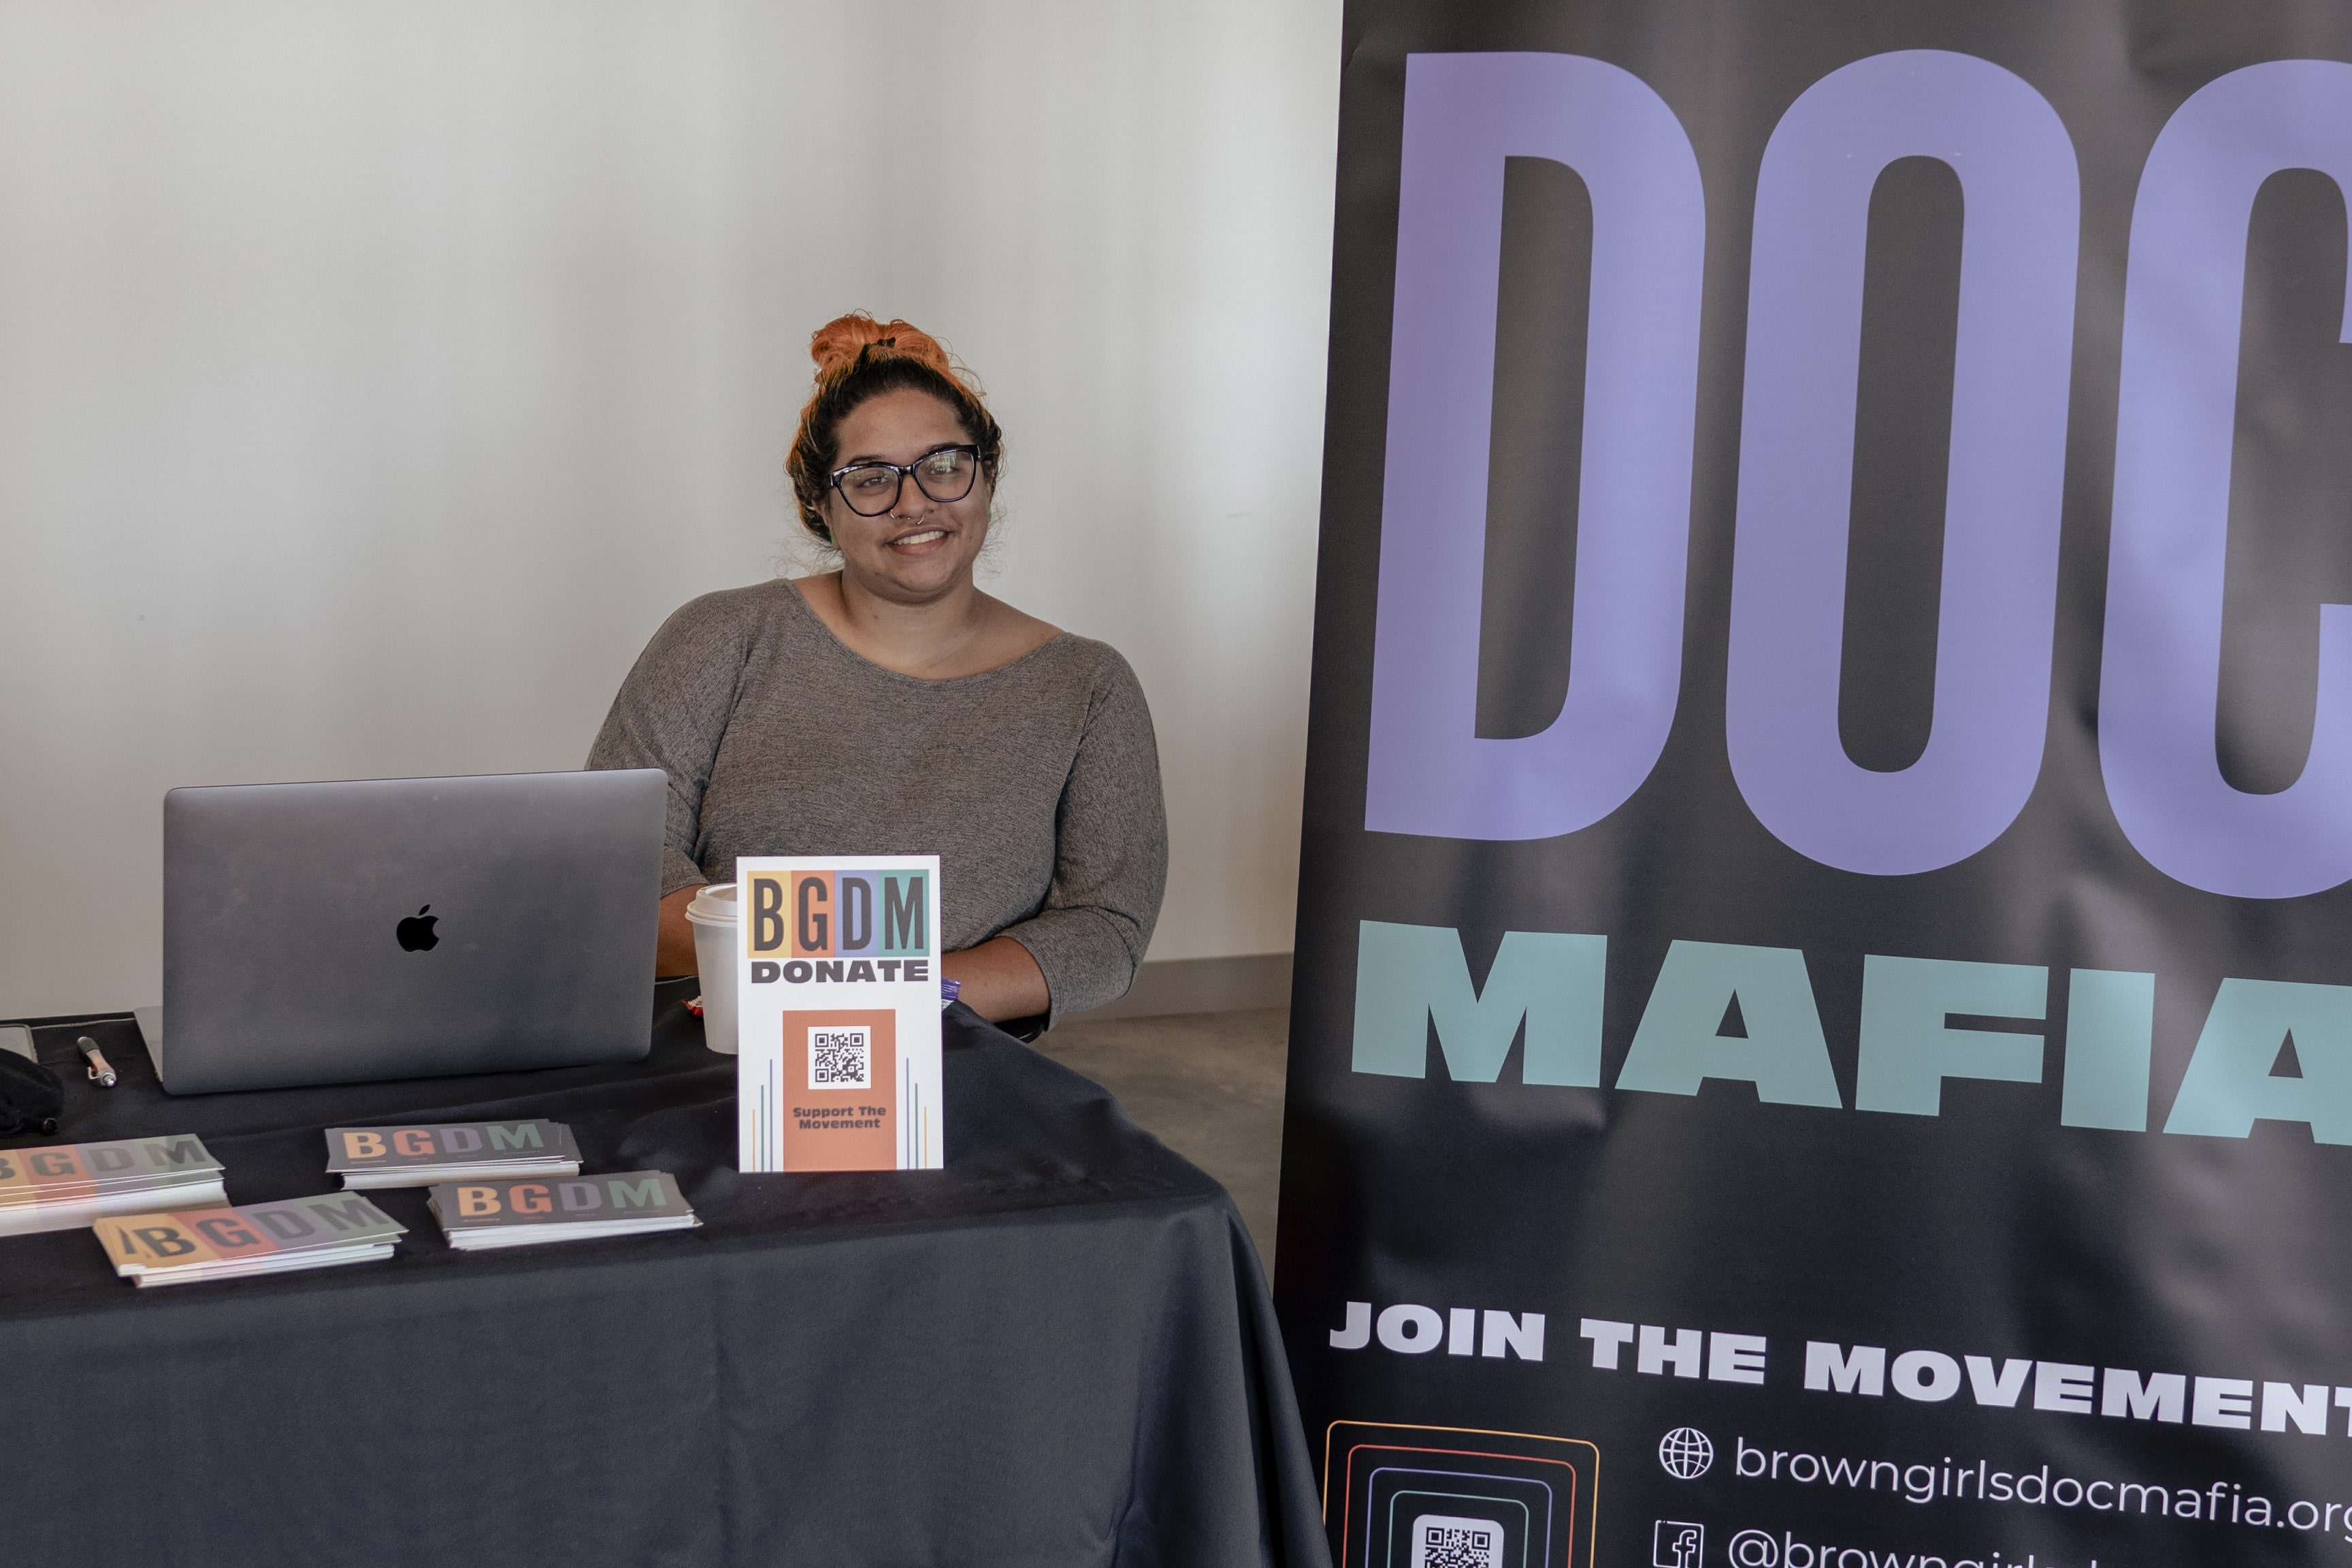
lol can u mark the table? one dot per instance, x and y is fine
(1059, 1350)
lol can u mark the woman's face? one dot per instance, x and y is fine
(920, 548)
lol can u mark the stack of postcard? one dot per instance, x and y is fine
(426, 1154)
(259, 1239)
(478, 1214)
(63, 1186)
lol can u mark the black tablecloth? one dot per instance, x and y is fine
(1058, 1350)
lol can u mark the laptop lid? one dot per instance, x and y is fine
(340, 933)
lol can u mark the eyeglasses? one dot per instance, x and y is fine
(872, 488)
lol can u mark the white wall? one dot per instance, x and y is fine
(376, 376)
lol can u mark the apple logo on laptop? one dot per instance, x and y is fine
(416, 933)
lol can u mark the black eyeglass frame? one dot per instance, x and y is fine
(904, 472)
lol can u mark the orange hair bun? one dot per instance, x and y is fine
(837, 345)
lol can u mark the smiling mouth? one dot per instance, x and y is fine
(927, 536)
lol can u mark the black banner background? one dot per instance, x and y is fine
(1989, 1229)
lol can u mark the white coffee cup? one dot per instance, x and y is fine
(713, 916)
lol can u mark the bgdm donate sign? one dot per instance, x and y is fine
(1824, 1028)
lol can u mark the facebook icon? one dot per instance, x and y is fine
(1677, 1543)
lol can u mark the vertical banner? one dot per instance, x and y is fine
(1824, 1022)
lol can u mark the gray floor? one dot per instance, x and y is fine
(1208, 1085)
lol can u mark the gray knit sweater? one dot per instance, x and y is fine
(1036, 784)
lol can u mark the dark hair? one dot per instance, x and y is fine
(858, 358)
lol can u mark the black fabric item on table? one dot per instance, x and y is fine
(1057, 1349)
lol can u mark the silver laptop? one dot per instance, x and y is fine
(320, 934)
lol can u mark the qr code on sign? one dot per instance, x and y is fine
(841, 1057)
(1442, 1542)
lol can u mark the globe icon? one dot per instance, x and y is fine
(1686, 1453)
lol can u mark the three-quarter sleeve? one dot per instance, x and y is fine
(1111, 854)
(671, 713)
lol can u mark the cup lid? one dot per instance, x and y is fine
(714, 904)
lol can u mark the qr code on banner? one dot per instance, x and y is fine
(1442, 1542)
(841, 1056)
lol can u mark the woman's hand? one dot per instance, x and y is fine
(674, 937)
(998, 980)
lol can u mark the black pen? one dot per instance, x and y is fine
(100, 1072)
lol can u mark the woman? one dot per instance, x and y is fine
(891, 707)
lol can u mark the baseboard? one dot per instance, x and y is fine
(1203, 986)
